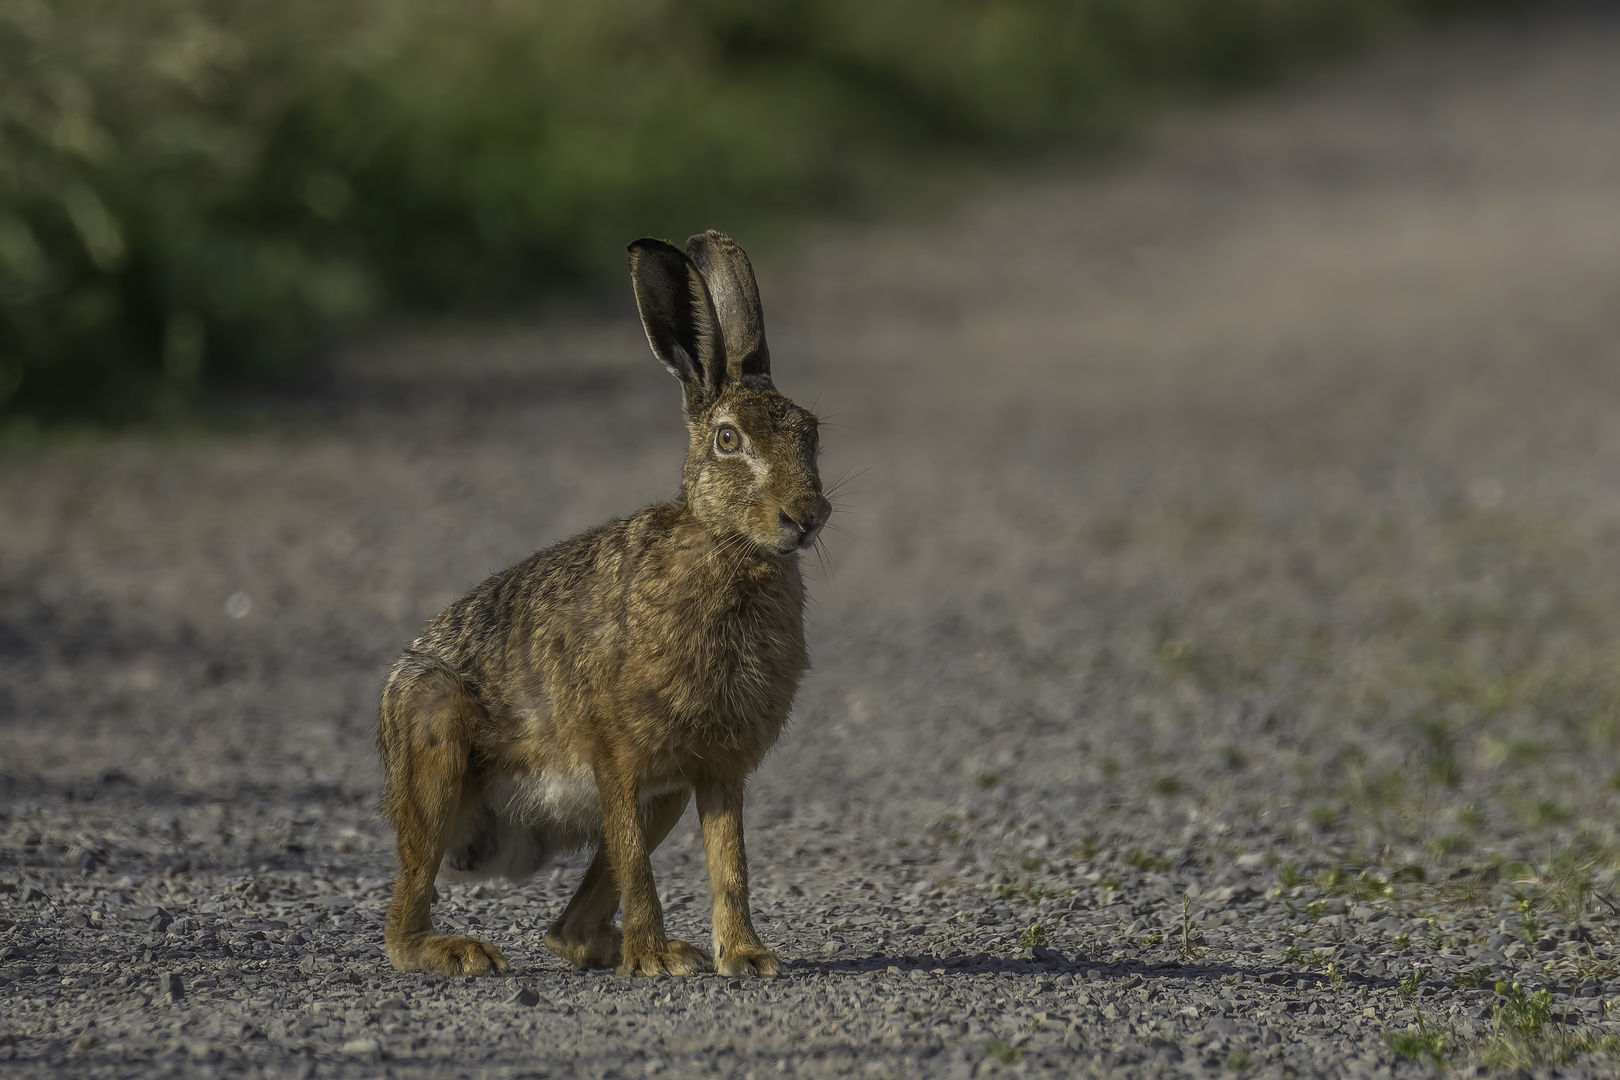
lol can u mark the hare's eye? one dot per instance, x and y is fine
(726, 440)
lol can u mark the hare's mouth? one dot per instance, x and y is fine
(799, 534)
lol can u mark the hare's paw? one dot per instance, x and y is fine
(597, 948)
(746, 960)
(448, 956)
(675, 958)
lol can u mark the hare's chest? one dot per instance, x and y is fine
(753, 661)
(714, 666)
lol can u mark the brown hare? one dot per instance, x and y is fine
(585, 694)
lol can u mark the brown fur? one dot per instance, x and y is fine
(584, 695)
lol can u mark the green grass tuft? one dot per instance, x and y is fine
(1420, 1042)
(1146, 861)
(1414, 979)
(1004, 1052)
(1033, 937)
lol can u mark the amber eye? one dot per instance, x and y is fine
(727, 441)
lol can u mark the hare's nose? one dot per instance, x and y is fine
(807, 523)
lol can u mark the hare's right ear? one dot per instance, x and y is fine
(678, 315)
(730, 277)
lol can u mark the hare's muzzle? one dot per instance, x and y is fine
(800, 529)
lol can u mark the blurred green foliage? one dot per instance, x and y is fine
(193, 190)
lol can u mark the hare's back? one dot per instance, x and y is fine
(544, 593)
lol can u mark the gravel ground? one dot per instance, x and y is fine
(1220, 671)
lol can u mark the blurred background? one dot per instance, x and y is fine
(1224, 395)
(204, 192)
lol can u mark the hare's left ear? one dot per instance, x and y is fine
(678, 315)
(730, 276)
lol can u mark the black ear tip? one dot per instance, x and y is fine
(706, 238)
(651, 243)
(650, 250)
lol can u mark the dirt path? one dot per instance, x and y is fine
(1227, 643)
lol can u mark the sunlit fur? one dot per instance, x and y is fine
(586, 694)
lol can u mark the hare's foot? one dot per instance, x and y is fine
(675, 958)
(745, 960)
(594, 948)
(447, 955)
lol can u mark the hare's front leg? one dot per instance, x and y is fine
(423, 735)
(584, 934)
(737, 948)
(644, 948)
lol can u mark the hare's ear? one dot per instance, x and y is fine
(730, 276)
(678, 315)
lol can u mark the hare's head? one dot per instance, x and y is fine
(751, 460)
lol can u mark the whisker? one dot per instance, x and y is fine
(845, 477)
(859, 540)
(824, 558)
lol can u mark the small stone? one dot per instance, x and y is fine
(170, 987)
(361, 1047)
(525, 996)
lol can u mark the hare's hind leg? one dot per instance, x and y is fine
(425, 735)
(584, 934)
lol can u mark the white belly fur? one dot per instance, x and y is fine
(529, 819)
(549, 802)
